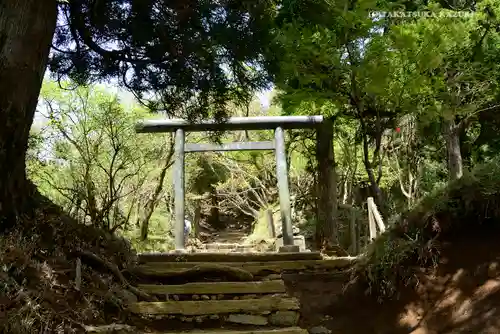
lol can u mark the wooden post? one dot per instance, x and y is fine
(353, 233)
(327, 186)
(179, 190)
(284, 193)
(378, 218)
(371, 220)
(270, 223)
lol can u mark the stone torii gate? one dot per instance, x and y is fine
(324, 128)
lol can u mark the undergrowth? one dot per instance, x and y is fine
(413, 243)
(38, 274)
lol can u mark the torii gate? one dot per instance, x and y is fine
(326, 207)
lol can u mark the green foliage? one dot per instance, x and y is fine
(373, 74)
(88, 159)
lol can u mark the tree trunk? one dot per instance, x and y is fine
(154, 199)
(452, 138)
(197, 218)
(214, 218)
(26, 30)
(375, 188)
(326, 229)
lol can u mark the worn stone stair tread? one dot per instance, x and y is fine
(207, 288)
(192, 307)
(228, 257)
(174, 268)
(227, 245)
(286, 330)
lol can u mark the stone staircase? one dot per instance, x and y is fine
(231, 293)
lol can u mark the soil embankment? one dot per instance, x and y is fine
(460, 295)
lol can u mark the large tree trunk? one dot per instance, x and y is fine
(452, 138)
(26, 30)
(326, 229)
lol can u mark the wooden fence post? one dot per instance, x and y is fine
(374, 219)
(371, 219)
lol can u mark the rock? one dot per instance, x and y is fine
(236, 298)
(284, 318)
(247, 319)
(214, 317)
(205, 297)
(176, 297)
(199, 319)
(220, 296)
(214, 297)
(319, 330)
(265, 313)
(196, 297)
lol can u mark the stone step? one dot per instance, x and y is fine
(227, 250)
(227, 257)
(209, 288)
(227, 246)
(168, 269)
(289, 330)
(190, 307)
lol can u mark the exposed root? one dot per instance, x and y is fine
(116, 272)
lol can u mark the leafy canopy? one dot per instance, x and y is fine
(182, 56)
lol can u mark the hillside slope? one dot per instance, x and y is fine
(436, 271)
